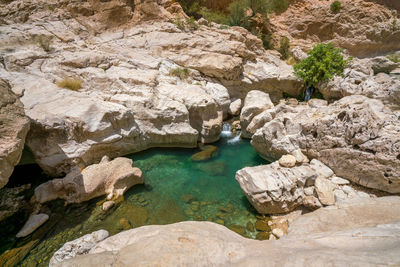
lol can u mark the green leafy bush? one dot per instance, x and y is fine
(284, 48)
(336, 6)
(322, 63)
(192, 23)
(179, 23)
(394, 57)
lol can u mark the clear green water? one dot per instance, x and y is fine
(176, 189)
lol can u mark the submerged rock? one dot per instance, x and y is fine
(111, 178)
(206, 153)
(33, 223)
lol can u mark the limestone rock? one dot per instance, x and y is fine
(272, 189)
(145, 82)
(255, 103)
(347, 215)
(78, 247)
(287, 161)
(358, 79)
(33, 223)
(235, 107)
(300, 157)
(185, 243)
(13, 200)
(111, 178)
(324, 189)
(383, 64)
(354, 131)
(363, 28)
(14, 126)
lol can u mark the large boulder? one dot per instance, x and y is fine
(354, 131)
(254, 103)
(14, 126)
(359, 79)
(209, 244)
(363, 28)
(152, 83)
(111, 178)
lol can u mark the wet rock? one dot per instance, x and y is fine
(287, 161)
(238, 229)
(112, 178)
(250, 227)
(12, 200)
(77, 247)
(219, 221)
(33, 223)
(262, 236)
(213, 168)
(187, 198)
(125, 224)
(262, 226)
(206, 153)
(107, 205)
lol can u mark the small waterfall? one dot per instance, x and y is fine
(226, 131)
(309, 92)
(234, 140)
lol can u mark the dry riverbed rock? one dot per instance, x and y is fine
(111, 178)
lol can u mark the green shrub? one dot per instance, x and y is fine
(323, 61)
(182, 73)
(284, 48)
(336, 6)
(70, 83)
(214, 16)
(394, 57)
(278, 6)
(191, 22)
(180, 24)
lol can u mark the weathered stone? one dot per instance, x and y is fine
(77, 247)
(14, 126)
(107, 205)
(111, 178)
(255, 103)
(206, 153)
(188, 242)
(354, 131)
(300, 157)
(33, 223)
(235, 107)
(262, 225)
(287, 161)
(324, 189)
(278, 233)
(12, 200)
(339, 181)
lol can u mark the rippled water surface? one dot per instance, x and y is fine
(176, 189)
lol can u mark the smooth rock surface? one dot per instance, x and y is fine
(287, 161)
(111, 178)
(209, 244)
(33, 223)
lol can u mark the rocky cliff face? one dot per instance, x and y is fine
(14, 126)
(363, 28)
(147, 78)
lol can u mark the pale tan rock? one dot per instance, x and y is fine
(33, 223)
(363, 29)
(355, 137)
(287, 161)
(300, 157)
(111, 178)
(324, 189)
(235, 107)
(107, 205)
(14, 126)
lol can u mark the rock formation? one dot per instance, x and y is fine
(363, 28)
(354, 131)
(148, 77)
(205, 243)
(111, 178)
(14, 126)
